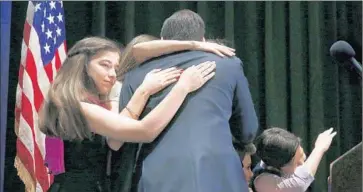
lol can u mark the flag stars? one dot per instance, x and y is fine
(51, 26)
(49, 34)
(47, 48)
(60, 17)
(37, 7)
(52, 5)
(50, 18)
(59, 31)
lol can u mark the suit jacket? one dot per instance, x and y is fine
(195, 152)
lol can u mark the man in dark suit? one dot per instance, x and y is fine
(195, 152)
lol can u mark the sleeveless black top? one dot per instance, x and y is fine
(85, 166)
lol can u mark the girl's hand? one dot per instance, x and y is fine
(157, 79)
(195, 77)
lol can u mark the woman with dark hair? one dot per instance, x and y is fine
(284, 168)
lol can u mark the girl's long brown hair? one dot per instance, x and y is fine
(61, 114)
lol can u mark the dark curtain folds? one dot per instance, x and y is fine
(294, 82)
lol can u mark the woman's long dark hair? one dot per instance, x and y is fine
(61, 114)
(276, 147)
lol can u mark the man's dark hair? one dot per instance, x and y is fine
(183, 25)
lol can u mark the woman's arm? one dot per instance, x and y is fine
(322, 144)
(112, 143)
(136, 105)
(109, 124)
(304, 174)
(154, 81)
(146, 50)
(126, 129)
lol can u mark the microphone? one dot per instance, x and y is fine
(343, 51)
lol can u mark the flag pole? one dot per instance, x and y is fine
(5, 9)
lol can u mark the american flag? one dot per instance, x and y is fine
(42, 53)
